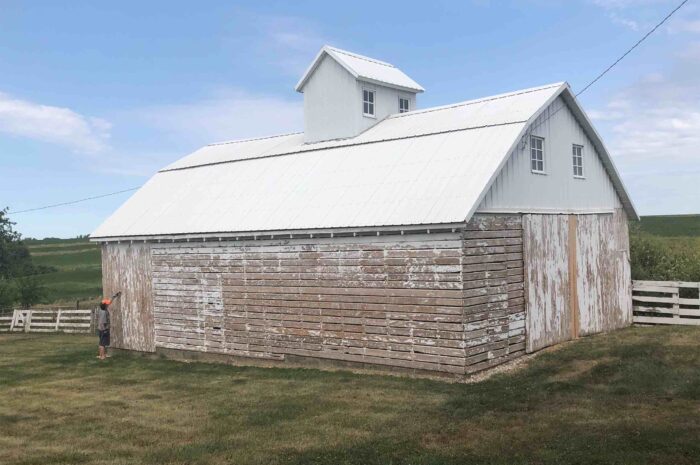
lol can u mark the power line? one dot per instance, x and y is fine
(71, 202)
(597, 78)
(633, 47)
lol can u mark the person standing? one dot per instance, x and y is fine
(103, 324)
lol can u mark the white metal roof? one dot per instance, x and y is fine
(423, 167)
(364, 68)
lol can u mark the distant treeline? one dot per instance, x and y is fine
(55, 240)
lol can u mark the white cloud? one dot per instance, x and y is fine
(57, 125)
(626, 22)
(226, 116)
(685, 25)
(290, 42)
(642, 15)
(653, 131)
(624, 4)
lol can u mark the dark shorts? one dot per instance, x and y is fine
(104, 338)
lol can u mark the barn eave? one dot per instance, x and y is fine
(369, 231)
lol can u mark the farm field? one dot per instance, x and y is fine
(632, 396)
(78, 274)
(671, 225)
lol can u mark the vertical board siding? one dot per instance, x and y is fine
(518, 189)
(494, 296)
(546, 247)
(577, 274)
(127, 268)
(604, 281)
(389, 300)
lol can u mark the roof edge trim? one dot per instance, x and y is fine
(326, 50)
(279, 233)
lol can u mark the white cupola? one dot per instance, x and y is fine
(346, 93)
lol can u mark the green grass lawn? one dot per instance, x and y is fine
(632, 396)
(78, 274)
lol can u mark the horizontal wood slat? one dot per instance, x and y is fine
(47, 320)
(450, 302)
(660, 302)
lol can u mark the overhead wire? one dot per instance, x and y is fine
(615, 63)
(10, 212)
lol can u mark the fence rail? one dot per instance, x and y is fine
(666, 302)
(48, 321)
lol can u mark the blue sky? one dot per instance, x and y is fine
(97, 96)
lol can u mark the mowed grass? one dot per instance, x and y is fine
(630, 397)
(79, 269)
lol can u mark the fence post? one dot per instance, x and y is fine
(27, 321)
(676, 306)
(14, 320)
(58, 319)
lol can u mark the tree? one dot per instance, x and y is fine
(17, 282)
(8, 294)
(29, 292)
(14, 254)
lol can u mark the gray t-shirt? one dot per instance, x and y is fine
(102, 319)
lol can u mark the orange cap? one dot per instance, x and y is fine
(106, 301)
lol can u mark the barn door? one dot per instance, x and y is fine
(577, 276)
(546, 248)
(127, 268)
(604, 284)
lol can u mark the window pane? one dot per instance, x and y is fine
(365, 108)
(371, 96)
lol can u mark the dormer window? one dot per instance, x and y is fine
(403, 105)
(368, 102)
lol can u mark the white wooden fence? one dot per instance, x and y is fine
(661, 302)
(48, 321)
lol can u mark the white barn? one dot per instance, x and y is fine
(447, 239)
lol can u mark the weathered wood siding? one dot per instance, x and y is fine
(450, 302)
(577, 276)
(127, 268)
(494, 301)
(604, 280)
(389, 300)
(546, 248)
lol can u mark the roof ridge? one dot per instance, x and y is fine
(237, 141)
(360, 57)
(475, 101)
(347, 143)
